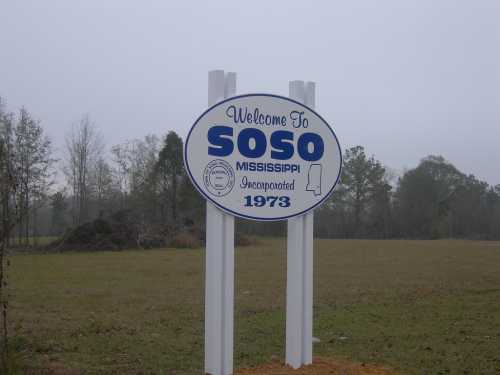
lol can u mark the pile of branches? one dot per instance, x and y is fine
(121, 231)
(116, 232)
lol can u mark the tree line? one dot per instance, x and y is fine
(146, 178)
(433, 200)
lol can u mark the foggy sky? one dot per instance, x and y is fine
(403, 78)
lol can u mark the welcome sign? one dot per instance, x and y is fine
(263, 157)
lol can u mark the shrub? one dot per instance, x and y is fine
(185, 240)
(244, 240)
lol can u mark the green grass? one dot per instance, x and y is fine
(421, 307)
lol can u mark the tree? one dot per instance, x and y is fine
(332, 217)
(33, 161)
(7, 178)
(121, 171)
(84, 147)
(423, 198)
(59, 205)
(473, 210)
(135, 163)
(192, 203)
(102, 184)
(380, 209)
(8, 184)
(143, 182)
(495, 216)
(367, 193)
(10, 217)
(169, 172)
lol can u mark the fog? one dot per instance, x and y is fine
(405, 79)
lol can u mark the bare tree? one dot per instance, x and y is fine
(103, 187)
(6, 170)
(59, 206)
(10, 216)
(8, 184)
(135, 162)
(121, 171)
(84, 147)
(33, 162)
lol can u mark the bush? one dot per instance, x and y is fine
(185, 240)
(117, 232)
(244, 240)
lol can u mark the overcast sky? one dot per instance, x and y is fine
(405, 79)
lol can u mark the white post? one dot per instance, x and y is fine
(299, 287)
(219, 264)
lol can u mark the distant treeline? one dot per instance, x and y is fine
(146, 178)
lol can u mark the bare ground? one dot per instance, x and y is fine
(320, 366)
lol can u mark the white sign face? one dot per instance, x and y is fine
(263, 157)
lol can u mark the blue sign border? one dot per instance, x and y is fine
(186, 166)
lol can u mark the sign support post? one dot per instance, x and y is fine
(262, 157)
(299, 289)
(219, 263)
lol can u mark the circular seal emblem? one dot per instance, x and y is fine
(218, 177)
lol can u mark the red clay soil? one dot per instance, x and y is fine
(320, 366)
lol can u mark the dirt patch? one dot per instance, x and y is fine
(320, 366)
(52, 369)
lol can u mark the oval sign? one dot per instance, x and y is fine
(263, 157)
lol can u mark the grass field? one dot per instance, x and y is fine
(420, 307)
